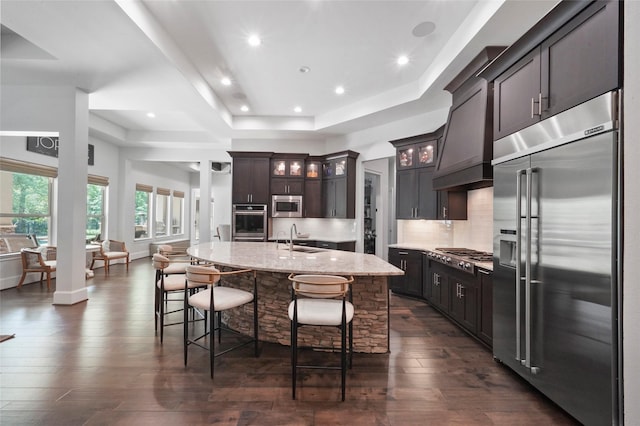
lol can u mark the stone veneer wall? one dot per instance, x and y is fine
(370, 323)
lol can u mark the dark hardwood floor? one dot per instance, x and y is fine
(99, 362)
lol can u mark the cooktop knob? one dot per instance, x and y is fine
(461, 264)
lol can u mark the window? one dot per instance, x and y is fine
(162, 212)
(177, 213)
(143, 205)
(96, 201)
(25, 200)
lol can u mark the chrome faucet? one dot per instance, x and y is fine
(293, 226)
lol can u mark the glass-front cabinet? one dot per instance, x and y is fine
(312, 170)
(419, 154)
(287, 168)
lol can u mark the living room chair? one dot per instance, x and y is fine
(38, 260)
(321, 300)
(110, 250)
(215, 299)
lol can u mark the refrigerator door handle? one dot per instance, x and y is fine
(527, 275)
(528, 281)
(519, 174)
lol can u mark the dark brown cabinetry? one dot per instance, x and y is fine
(440, 290)
(452, 205)
(344, 246)
(287, 175)
(464, 301)
(410, 261)
(485, 316)
(313, 187)
(331, 245)
(339, 185)
(250, 181)
(576, 59)
(415, 196)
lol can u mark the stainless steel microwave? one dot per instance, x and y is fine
(286, 206)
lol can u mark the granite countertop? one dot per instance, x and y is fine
(430, 247)
(268, 256)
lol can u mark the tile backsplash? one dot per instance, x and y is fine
(331, 229)
(476, 232)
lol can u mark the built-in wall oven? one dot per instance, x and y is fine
(249, 222)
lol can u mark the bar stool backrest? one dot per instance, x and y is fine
(202, 274)
(320, 286)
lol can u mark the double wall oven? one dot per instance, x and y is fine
(249, 222)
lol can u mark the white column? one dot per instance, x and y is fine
(204, 220)
(72, 202)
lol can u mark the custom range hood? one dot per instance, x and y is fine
(464, 160)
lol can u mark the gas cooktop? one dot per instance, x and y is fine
(463, 259)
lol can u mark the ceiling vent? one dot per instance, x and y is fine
(221, 168)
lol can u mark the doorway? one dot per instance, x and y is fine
(371, 204)
(195, 216)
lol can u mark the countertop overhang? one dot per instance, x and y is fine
(273, 257)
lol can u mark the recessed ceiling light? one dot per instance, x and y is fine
(151, 115)
(244, 108)
(297, 109)
(226, 81)
(339, 90)
(304, 69)
(402, 60)
(254, 40)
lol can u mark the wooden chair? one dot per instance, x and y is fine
(34, 261)
(213, 301)
(110, 250)
(321, 300)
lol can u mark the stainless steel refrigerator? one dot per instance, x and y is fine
(556, 218)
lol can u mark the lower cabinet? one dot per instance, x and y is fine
(344, 246)
(440, 290)
(410, 261)
(464, 301)
(464, 298)
(485, 316)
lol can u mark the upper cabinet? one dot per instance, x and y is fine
(339, 185)
(313, 187)
(419, 153)
(287, 174)
(250, 180)
(415, 196)
(569, 57)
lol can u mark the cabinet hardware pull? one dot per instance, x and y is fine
(540, 104)
(403, 252)
(484, 272)
(444, 212)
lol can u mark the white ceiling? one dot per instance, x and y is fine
(168, 56)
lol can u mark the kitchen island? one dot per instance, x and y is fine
(274, 262)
